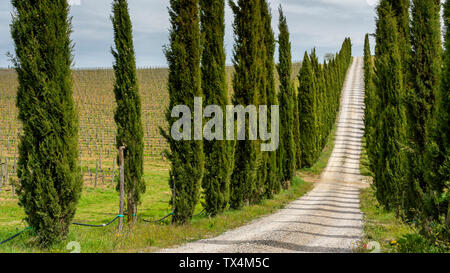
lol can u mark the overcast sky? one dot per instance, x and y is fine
(313, 23)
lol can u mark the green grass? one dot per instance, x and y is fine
(380, 225)
(99, 206)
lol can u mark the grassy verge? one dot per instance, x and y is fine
(387, 229)
(380, 226)
(100, 205)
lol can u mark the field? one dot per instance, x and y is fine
(94, 97)
(93, 93)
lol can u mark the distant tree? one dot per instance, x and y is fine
(128, 112)
(49, 174)
(426, 68)
(186, 156)
(307, 113)
(249, 70)
(371, 104)
(218, 153)
(329, 56)
(286, 151)
(298, 151)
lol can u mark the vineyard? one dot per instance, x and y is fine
(95, 102)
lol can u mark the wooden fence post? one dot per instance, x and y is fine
(121, 187)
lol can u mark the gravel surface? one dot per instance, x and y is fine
(328, 219)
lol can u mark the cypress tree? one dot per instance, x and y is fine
(370, 99)
(272, 181)
(184, 84)
(298, 151)
(218, 153)
(426, 68)
(249, 69)
(48, 167)
(401, 9)
(319, 105)
(437, 200)
(128, 112)
(389, 174)
(287, 149)
(307, 113)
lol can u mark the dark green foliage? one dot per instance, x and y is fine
(48, 167)
(437, 157)
(307, 105)
(389, 174)
(183, 56)
(425, 69)
(247, 80)
(271, 182)
(401, 9)
(409, 153)
(218, 153)
(298, 151)
(371, 105)
(127, 115)
(287, 149)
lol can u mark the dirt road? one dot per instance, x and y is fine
(327, 219)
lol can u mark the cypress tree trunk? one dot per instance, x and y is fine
(286, 151)
(128, 112)
(426, 69)
(48, 167)
(307, 113)
(218, 153)
(389, 174)
(249, 69)
(271, 184)
(186, 156)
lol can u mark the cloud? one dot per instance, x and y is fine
(313, 23)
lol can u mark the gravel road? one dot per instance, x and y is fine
(328, 219)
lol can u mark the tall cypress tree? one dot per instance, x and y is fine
(401, 9)
(286, 151)
(48, 167)
(218, 153)
(318, 80)
(390, 171)
(298, 151)
(437, 160)
(426, 68)
(272, 183)
(249, 69)
(370, 110)
(307, 113)
(186, 156)
(128, 112)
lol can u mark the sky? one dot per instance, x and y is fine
(322, 24)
